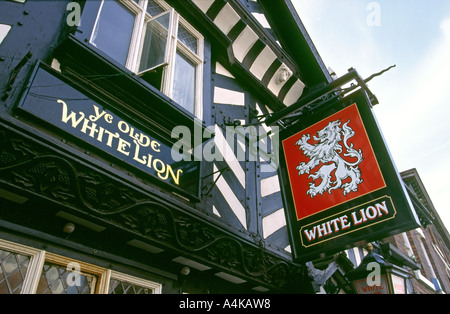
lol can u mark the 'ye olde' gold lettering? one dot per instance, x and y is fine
(134, 148)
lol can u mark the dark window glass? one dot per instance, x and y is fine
(113, 31)
(184, 82)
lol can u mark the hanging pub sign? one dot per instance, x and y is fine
(55, 100)
(340, 184)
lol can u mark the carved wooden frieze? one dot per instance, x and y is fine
(45, 172)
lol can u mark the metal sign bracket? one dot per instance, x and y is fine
(334, 86)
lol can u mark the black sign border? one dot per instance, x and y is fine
(85, 144)
(405, 218)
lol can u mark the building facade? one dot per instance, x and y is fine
(134, 157)
(92, 93)
(429, 245)
(422, 253)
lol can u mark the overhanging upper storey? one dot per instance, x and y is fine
(292, 35)
(254, 49)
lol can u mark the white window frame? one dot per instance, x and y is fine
(136, 50)
(155, 287)
(137, 41)
(39, 257)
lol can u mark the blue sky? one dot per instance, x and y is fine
(414, 109)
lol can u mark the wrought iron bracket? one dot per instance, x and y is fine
(15, 73)
(334, 86)
(205, 189)
(228, 121)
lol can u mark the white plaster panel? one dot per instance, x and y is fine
(273, 222)
(220, 69)
(229, 156)
(244, 43)
(294, 93)
(4, 30)
(228, 97)
(275, 85)
(226, 19)
(203, 5)
(269, 186)
(231, 198)
(262, 63)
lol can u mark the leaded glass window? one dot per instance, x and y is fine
(122, 287)
(13, 268)
(153, 8)
(26, 270)
(56, 279)
(188, 39)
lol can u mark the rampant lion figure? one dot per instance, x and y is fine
(327, 152)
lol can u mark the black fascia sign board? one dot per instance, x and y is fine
(339, 183)
(66, 107)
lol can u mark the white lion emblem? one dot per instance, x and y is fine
(327, 152)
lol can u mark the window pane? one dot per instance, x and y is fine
(13, 267)
(184, 82)
(154, 8)
(122, 287)
(187, 38)
(56, 279)
(155, 42)
(113, 31)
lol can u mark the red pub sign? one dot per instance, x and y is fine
(340, 183)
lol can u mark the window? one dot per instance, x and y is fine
(61, 275)
(18, 265)
(124, 284)
(24, 270)
(13, 267)
(152, 40)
